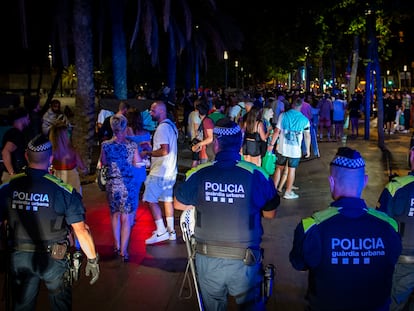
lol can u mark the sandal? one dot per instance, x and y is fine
(125, 258)
(116, 252)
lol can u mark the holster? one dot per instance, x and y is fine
(58, 250)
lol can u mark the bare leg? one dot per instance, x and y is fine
(157, 215)
(116, 230)
(290, 179)
(169, 209)
(283, 179)
(125, 233)
(277, 174)
(155, 211)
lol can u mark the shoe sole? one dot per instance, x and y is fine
(155, 242)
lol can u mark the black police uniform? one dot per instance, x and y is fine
(38, 208)
(229, 196)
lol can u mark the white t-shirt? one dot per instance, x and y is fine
(165, 166)
(290, 137)
(103, 114)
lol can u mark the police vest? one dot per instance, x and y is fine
(32, 217)
(226, 214)
(401, 208)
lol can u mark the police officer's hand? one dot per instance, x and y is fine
(92, 268)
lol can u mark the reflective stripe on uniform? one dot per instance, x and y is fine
(59, 182)
(383, 217)
(397, 183)
(319, 217)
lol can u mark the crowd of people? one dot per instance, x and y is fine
(228, 190)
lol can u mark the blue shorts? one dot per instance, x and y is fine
(292, 162)
(158, 189)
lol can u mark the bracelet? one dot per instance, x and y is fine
(271, 145)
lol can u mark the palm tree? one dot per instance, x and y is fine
(85, 92)
(119, 53)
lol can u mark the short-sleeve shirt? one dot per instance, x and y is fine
(292, 124)
(38, 197)
(16, 137)
(229, 196)
(165, 166)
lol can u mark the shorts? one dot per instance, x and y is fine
(292, 162)
(324, 122)
(158, 189)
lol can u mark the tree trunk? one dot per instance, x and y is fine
(119, 59)
(380, 102)
(355, 58)
(85, 92)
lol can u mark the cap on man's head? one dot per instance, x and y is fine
(39, 143)
(226, 127)
(348, 158)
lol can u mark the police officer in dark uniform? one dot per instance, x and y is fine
(37, 208)
(230, 197)
(397, 200)
(350, 250)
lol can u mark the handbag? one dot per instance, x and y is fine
(269, 162)
(102, 175)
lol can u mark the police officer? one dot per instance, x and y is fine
(229, 196)
(38, 208)
(397, 200)
(349, 249)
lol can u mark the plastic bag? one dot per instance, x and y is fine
(269, 162)
(346, 123)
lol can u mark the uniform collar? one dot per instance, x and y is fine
(36, 172)
(228, 156)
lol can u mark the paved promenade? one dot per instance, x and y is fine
(152, 278)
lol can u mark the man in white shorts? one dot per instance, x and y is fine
(163, 172)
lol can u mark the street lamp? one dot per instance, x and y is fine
(405, 77)
(226, 57)
(242, 81)
(236, 65)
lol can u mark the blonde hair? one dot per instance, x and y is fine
(118, 123)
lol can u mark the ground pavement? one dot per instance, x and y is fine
(153, 277)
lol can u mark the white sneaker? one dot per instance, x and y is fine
(173, 236)
(156, 238)
(290, 195)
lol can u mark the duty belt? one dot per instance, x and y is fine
(406, 259)
(27, 247)
(248, 255)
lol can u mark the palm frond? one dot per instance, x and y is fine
(166, 14)
(136, 27)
